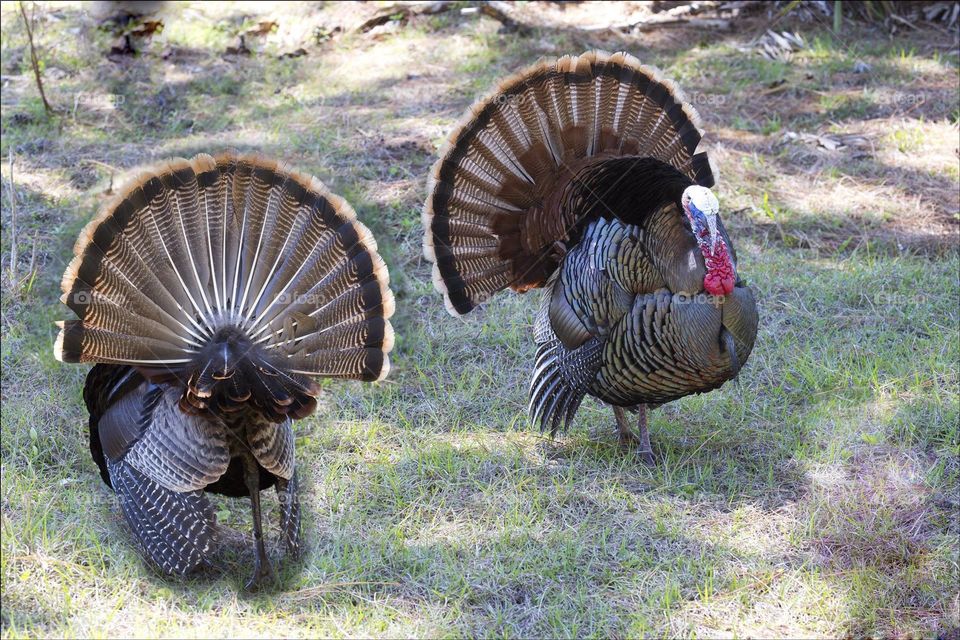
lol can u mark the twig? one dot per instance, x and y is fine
(26, 285)
(104, 165)
(13, 225)
(33, 253)
(34, 62)
(903, 21)
(312, 592)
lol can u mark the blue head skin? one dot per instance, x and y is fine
(702, 209)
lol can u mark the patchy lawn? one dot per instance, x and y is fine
(817, 496)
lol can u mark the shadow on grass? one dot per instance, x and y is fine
(436, 504)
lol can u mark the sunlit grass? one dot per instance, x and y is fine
(814, 496)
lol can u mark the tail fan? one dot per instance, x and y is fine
(494, 216)
(237, 275)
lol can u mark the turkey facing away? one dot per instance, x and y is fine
(209, 292)
(582, 176)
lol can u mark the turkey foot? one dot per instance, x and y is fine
(262, 571)
(628, 439)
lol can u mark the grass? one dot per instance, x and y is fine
(814, 497)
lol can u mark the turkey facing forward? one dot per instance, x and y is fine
(209, 293)
(581, 176)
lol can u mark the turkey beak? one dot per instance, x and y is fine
(712, 227)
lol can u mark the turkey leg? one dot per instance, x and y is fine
(262, 571)
(287, 491)
(629, 439)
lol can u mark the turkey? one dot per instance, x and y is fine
(581, 176)
(209, 293)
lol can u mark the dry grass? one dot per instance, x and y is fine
(814, 498)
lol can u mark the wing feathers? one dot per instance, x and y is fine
(176, 530)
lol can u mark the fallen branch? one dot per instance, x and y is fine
(660, 22)
(717, 7)
(500, 11)
(701, 23)
(402, 11)
(506, 15)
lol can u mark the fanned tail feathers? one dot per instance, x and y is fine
(492, 216)
(236, 274)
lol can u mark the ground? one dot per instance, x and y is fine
(816, 496)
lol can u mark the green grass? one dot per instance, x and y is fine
(815, 496)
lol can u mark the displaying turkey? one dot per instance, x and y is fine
(209, 292)
(582, 176)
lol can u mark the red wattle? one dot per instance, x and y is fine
(720, 274)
